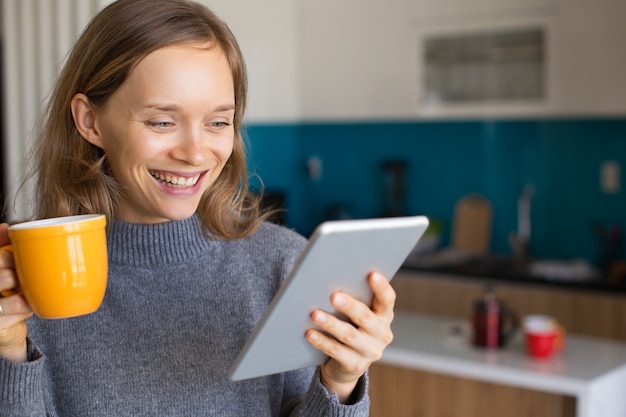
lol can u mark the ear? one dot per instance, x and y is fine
(85, 119)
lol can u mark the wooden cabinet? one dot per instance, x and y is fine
(401, 392)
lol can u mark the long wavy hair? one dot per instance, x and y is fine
(72, 175)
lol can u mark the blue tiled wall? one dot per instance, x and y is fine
(447, 160)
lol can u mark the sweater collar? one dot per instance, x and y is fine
(156, 244)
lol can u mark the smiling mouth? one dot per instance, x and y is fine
(176, 181)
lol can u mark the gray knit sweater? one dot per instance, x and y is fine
(178, 309)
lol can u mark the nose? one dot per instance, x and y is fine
(191, 148)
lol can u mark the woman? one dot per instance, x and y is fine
(144, 126)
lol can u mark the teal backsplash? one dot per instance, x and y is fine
(446, 160)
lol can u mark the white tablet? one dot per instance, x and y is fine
(339, 256)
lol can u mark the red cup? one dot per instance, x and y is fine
(541, 345)
(544, 336)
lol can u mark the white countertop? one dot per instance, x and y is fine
(420, 342)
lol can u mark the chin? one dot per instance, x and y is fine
(180, 216)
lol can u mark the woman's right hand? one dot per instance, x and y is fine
(13, 307)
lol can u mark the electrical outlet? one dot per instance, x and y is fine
(314, 167)
(610, 177)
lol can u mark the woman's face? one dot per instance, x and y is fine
(168, 131)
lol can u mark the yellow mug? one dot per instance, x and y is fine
(61, 264)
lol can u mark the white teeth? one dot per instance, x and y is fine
(171, 180)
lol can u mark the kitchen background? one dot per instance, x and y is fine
(360, 71)
(338, 90)
(341, 90)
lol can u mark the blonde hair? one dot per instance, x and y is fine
(72, 175)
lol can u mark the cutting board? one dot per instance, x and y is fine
(473, 219)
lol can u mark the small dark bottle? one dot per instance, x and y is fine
(486, 321)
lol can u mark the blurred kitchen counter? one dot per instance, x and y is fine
(421, 374)
(580, 307)
(428, 373)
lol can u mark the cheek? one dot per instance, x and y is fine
(224, 151)
(135, 148)
(128, 158)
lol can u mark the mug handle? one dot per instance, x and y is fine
(8, 293)
(559, 340)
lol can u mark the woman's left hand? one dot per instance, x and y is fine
(357, 343)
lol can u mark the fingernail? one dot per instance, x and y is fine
(377, 277)
(339, 300)
(320, 317)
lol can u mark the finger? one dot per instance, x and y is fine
(8, 280)
(358, 313)
(4, 234)
(347, 359)
(13, 338)
(377, 325)
(14, 305)
(345, 332)
(7, 323)
(6, 259)
(347, 336)
(384, 295)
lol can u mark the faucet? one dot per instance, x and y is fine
(520, 242)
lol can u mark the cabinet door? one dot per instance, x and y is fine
(402, 392)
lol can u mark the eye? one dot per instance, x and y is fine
(219, 124)
(159, 124)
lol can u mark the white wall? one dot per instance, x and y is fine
(269, 36)
(359, 60)
(361, 56)
(590, 54)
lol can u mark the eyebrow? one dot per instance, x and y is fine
(175, 107)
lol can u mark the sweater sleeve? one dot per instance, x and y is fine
(318, 402)
(21, 385)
